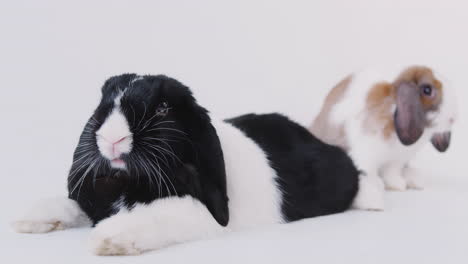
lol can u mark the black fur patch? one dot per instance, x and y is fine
(175, 150)
(315, 178)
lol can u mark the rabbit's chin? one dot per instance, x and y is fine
(118, 164)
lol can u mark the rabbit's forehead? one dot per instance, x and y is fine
(138, 89)
(116, 119)
(118, 98)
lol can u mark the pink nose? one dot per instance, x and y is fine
(115, 150)
(118, 141)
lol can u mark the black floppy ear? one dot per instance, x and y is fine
(409, 116)
(208, 160)
(212, 173)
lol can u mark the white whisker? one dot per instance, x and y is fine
(162, 171)
(144, 114)
(82, 179)
(166, 128)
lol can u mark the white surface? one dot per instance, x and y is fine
(238, 57)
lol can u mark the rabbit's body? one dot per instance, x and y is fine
(152, 169)
(312, 177)
(268, 157)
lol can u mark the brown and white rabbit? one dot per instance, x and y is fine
(382, 119)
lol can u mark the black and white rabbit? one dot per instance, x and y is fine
(151, 169)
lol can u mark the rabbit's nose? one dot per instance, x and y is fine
(119, 141)
(115, 147)
(112, 141)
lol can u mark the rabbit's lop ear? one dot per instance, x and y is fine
(441, 141)
(208, 159)
(409, 117)
(210, 166)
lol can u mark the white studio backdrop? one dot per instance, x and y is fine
(237, 56)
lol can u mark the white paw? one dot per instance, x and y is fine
(116, 235)
(370, 195)
(394, 182)
(378, 182)
(51, 214)
(414, 179)
(103, 245)
(26, 226)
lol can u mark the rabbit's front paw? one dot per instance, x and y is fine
(31, 226)
(117, 235)
(414, 179)
(56, 213)
(394, 182)
(109, 241)
(118, 244)
(370, 195)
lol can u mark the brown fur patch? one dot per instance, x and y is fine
(379, 103)
(321, 126)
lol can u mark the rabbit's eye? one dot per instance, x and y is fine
(427, 90)
(163, 109)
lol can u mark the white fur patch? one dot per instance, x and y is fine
(370, 195)
(51, 214)
(162, 223)
(118, 98)
(136, 79)
(114, 137)
(254, 196)
(392, 175)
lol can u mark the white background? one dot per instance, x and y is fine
(238, 57)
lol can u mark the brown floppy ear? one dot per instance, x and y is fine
(409, 118)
